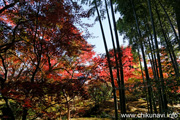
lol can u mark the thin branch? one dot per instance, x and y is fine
(7, 6)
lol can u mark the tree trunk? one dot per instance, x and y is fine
(3, 80)
(177, 39)
(153, 98)
(143, 79)
(109, 63)
(153, 54)
(24, 113)
(169, 46)
(156, 77)
(69, 111)
(144, 59)
(122, 89)
(176, 9)
(158, 57)
(115, 54)
(151, 58)
(9, 111)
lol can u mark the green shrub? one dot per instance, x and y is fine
(100, 92)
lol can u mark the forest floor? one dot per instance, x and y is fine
(86, 110)
(105, 111)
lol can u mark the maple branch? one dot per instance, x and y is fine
(8, 45)
(66, 61)
(34, 40)
(37, 54)
(22, 68)
(7, 6)
(8, 107)
(49, 62)
(2, 87)
(5, 69)
(74, 70)
(19, 73)
(66, 97)
(37, 67)
(4, 2)
(63, 69)
(39, 115)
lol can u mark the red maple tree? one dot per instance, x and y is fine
(43, 55)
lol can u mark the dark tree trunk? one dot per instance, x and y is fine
(144, 83)
(115, 54)
(169, 47)
(123, 100)
(24, 117)
(153, 97)
(109, 63)
(3, 80)
(144, 60)
(158, 57)
(8, 111)
(152, 60)
(156, 76)
(177, 39)
(153, 54)
(177, 12)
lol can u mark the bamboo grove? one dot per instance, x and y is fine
(154, 33)
(152, 28)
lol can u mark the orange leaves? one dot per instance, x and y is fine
(130, 69)
(53, 62)
(178, 91)
(27, 103)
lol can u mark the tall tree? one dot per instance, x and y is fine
(158, 57)
(116, 58)
(120, 61)
(40, 49)
(144, 59)
(109, 63)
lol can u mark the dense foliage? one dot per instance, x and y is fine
(43, 57)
